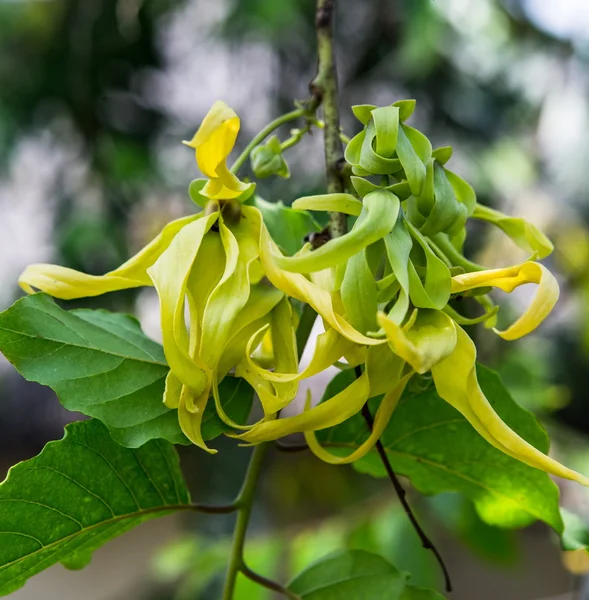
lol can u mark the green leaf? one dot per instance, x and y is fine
(431, 443)
(79, 493)
(102, 365)
(350, 574)
(288, 227)
(576, 533)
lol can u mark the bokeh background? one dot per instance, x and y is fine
(95, 97)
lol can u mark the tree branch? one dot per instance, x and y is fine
(402, 495)
(324, 91)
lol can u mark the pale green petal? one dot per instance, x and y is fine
(380, 209)
(170, 276)
(524, 234)
(430, 339)
(67, 284)
(298, 286)
(344, 203)
(228, 298)
(456, 382)
(381, 420)
(358, 294)
(435, 292)
(327, 414)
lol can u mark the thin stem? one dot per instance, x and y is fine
(268, 583)
(304, 328)
(214, 510)
(402, 495)
(324, 88)
(260, 137)
(244, 503)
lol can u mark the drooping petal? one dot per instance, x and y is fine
(255, 315)
(378, 217)
(381, 420)
(226, 300)
(191, 409)
(285, 361)
(423, 344)
(64, 283)
(456, 382)
(170, 276)
(329, 348)
(327, 414)
(507, 280)
(526, 235)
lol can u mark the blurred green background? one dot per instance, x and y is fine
(95, 97)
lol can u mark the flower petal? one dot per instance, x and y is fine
(344, 203)
(170, 276)
(378, 217)
(456, 382)
(298, 286)
(430, 339)
(64, 283)
(327, 414)
(526, 235)
(381, 420)
(507, 280)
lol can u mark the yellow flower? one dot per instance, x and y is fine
(209, 262)
(213, 143)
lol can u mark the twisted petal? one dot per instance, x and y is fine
(170, 276)
(283, 389)
(329, 348)
(423, 343)
(507, 280)
(327, 414)
(215, 138)
(381, 420)
(378, 217)
(226, 186)
(67, 284)
(227, 299)
(524, 234)
(456, 382)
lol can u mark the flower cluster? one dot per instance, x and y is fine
(383, 290)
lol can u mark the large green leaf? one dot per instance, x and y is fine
(350, 574)
(288, 227)
(79, 493)
(431, 443)
(102, 365)
(356, 574)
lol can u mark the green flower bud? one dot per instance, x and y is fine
(267, 160)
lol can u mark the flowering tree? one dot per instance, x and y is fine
(237, 300)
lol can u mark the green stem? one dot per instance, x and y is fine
(272, 126)
(244, 504)
(268, 583)
(324, 87)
